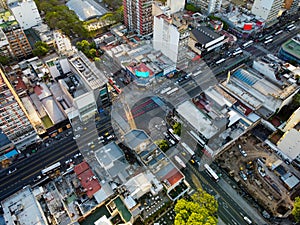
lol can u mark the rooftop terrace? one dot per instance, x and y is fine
(7, 20)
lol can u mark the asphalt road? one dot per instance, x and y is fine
(31, 167)
(61, 150)
(228, 211)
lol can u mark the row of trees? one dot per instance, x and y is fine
(59, 16)
(200, 210)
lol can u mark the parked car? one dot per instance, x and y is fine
(242, 151)
(243, 176)
(76, 136)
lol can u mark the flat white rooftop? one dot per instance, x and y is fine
(197, 119)
(289, 143)
(23, 208)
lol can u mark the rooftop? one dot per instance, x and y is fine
(292, 46)
(197, 119)
(204, 35)
(87, 179)
(7, 20)
(84, 9)
(108, 154)
(23, 208)
(256, 91)
(88, 71)
(289, 143)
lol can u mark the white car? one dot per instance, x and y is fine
(12, 171)
(69, 161)
(76, 136)
(110, 137)
(77, 155)
(90, 143)
(100, 138)
(243, 176)
(172, 141)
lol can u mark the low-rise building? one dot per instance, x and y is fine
(23, 208)
(158, 163)
(257, 93)
(242, 24)
(25, 12)
(290, 50)
(269, 66)
(203, 40)
(63, 43)
(289, 143)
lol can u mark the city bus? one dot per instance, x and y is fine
(211, 172)
(237, 53)
(165, 90)
(172, 91)
(197, 73)
(268, 41)
(180, 162)
(278, 32)
(188, 149)
(220, 61)
(247, 44)
(51, 168)
(290, 26)
(269, 37)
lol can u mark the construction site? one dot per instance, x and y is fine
(260, 175)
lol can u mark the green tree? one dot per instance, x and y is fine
(114, 4)
(296, 100)
(163, 145)
(296, 209)
(200, 211)
(4, 60)
(177, 128)
(40, 48)
(191, 7)
(59, 16)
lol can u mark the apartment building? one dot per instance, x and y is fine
(138, 16)
(14, 120)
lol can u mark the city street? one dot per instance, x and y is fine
(61, 150)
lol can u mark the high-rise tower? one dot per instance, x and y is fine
(138, 16)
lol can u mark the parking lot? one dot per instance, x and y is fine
(256, 169)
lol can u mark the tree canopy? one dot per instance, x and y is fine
(89, 49)
(296, 209)
(40, 48)
(202, 210)
(4, 60)
(191, 7)
(59, 16)
(177, 128)
(163, 145)
(114, 4)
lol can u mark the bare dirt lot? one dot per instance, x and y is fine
(253, 170)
